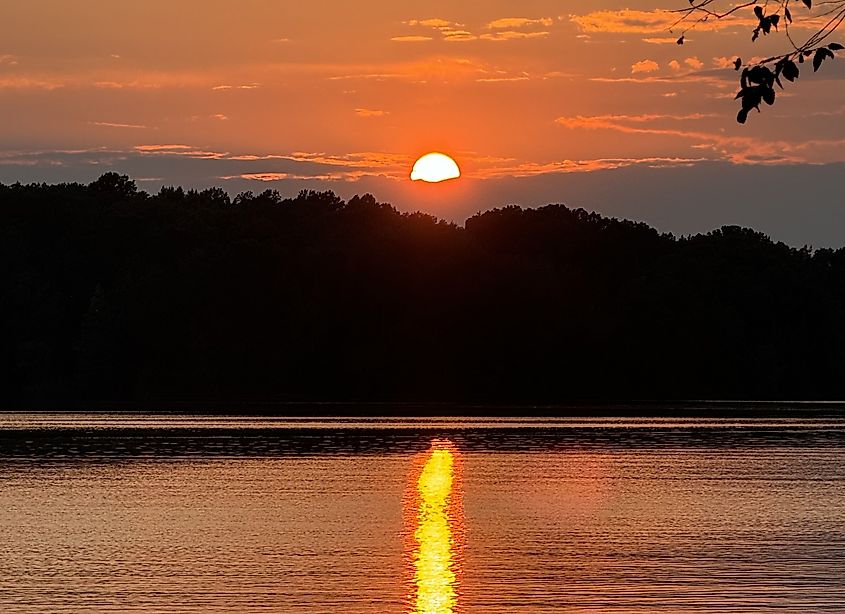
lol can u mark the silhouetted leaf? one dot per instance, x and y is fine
(817, 60)
(742, 116)
(835, 47)
(790, 71)
(808, 3)
(820, 56)
(761, 75)
(752, 97)
(737, 63)
(769, 96)
(680, 41)
(758, 10)
(787, 14)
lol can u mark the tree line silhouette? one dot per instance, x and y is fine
(112, 295)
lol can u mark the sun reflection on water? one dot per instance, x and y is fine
(434, 557)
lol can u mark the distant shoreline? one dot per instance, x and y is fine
(386, 409)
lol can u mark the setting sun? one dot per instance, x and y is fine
(434, 168)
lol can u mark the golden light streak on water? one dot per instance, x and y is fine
(434, 557)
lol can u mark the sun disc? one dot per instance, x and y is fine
(434, 168)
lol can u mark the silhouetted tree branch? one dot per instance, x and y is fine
(759, 77)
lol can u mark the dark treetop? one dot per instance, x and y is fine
(112, 295)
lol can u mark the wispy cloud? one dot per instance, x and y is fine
(449, 30)
(508, 35)
(119, 125)
(157, 148)
(625, 21)
(411, 39)
(505, 29)
(530, 169)
(446, 68)
(243, 86)
(694, 63)
(723, 62)
(20, 83)
(383, 161)
(604, 121)
(434, 23)
(140, 80)
(630, 21)
(368, 76)
(171, 162)
(185, 151)
(718, 79)
(265, 177)
(734, 149)
(510, 23)
(457, 36)
(661, 40)
(644, 66)
(504, 79)
(371, 113)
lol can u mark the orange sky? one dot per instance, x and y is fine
(260, 93)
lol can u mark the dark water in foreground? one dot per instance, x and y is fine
(106, 513)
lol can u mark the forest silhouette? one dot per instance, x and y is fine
(112, 295)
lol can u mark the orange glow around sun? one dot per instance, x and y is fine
(434, 168)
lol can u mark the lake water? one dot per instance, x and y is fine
(187, 514)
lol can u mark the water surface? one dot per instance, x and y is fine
(145, 513)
